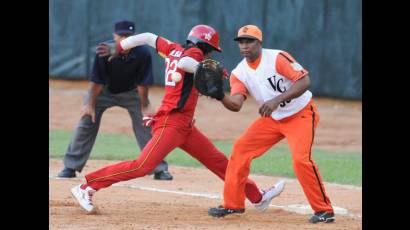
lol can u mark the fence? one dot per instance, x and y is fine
(325, 36)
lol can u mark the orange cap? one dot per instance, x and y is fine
(249, 31)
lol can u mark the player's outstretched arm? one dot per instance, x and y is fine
(114, 49)
(138, 40)
(234, 102)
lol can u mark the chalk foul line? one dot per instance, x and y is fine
(295, 208)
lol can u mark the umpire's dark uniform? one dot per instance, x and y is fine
(120, 78)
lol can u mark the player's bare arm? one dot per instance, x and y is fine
(234, 102)
(143, 93)
(296, 90)
(146, 107)
(94, 90)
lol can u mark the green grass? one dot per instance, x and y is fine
(337, 167)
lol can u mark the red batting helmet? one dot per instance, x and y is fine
(204, 34)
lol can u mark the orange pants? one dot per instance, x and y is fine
(261, 136)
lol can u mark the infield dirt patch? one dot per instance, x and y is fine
(122, 207)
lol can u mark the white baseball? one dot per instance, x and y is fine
(176, 77)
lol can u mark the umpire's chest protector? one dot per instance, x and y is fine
(265, 83)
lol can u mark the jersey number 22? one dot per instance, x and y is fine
(171, 67)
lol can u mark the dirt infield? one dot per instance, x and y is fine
(145, 203)
(169, 206)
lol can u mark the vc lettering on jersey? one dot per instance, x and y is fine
(277, 86)
(175, 53)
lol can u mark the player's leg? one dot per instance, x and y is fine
(254, 142)
(165, 139)
(130, 100)
(202, 149)
(82, 142)
(299, 131)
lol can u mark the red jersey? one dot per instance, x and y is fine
(179, 96)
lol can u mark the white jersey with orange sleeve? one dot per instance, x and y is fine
(276, 72)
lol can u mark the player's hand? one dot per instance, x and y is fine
(88, 110)
(268, 107)
(104, 49)
(147, 111)
(107, 49)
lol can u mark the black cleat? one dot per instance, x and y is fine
(163, 175)
(325, 217)
(220, 211)
(67, 173)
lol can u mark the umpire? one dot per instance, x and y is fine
(122, 81)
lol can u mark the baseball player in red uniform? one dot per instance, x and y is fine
(173, 124)
(280, 85)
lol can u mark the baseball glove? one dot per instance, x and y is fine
(208, 79)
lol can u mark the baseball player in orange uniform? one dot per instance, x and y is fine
(173, 124)
(280, 85)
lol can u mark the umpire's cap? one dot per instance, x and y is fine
(124, 27)
(249, 31)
